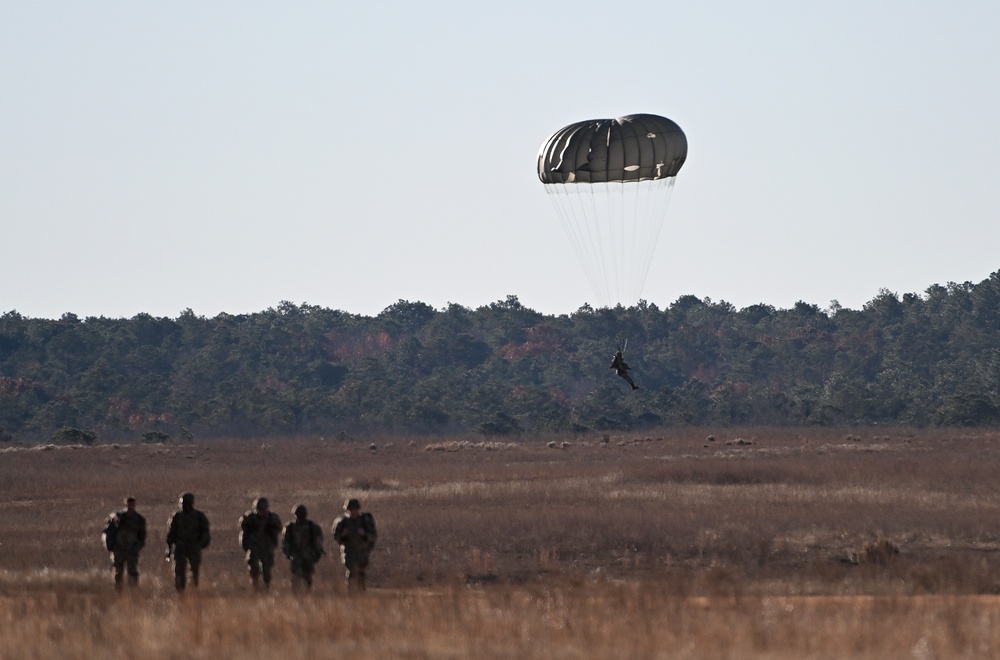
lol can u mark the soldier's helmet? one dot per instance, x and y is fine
(300, 511)
(260, 504)
(352, 504)
(187, 499)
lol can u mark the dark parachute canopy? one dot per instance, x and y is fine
(632, 148)
(610, 181)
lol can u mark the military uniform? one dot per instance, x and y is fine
(259, 532)
(125, 536)
(302, 543)
(188, 534)
(618, 364)
(356, 534)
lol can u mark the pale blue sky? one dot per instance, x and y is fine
(226, 156)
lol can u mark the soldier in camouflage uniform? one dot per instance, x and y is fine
(355, 532)
(188, 534)
(124, 537)
(259, 531)
(302, 543)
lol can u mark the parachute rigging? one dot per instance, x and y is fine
(610, 181)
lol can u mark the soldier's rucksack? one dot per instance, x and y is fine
(368, 522)
(316, 541)
(110, 532)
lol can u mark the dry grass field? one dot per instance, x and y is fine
(774, 543)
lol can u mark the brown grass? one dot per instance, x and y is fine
(792, 543)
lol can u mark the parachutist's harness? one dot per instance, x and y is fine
(619, 365)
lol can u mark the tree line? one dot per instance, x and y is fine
(504, 369)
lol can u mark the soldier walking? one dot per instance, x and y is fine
(124, 537)
(355, 532)
(302, 543)
(187, 536)
(259, 531)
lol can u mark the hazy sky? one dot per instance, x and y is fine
(226, 156)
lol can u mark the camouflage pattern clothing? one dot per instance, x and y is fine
(259, 532)
(356, 534)
(188, 534)
(621, 368)
(125, 536)
(302, 543)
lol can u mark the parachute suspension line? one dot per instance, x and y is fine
(648, 208)
(619, 225)
(565, 199)
(600, 234)
(588, 218)
(661, 192)
(631, 161)
(638, 266)
(609, 248)
(613, 229)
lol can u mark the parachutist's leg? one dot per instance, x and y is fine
(628, 379)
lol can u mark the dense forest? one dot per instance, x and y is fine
(503, 369)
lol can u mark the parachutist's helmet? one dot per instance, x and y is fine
(300, 511)
(352, 504)
(260, 504)
(187, 500)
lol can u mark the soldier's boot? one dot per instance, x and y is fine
(179, 581)
(133, 581)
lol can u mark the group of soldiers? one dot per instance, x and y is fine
(261, 534)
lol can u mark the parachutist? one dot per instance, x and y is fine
(618, 364)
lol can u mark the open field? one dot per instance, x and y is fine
(756, 543)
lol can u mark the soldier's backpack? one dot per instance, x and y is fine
(110, 532)
(316, 541)
(368, 522)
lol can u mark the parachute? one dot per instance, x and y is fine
(610, 181)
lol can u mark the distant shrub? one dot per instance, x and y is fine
(459, 445)
(370, 483)
(879, 552)
(500, 424)
(69, 435)
(155, 437)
